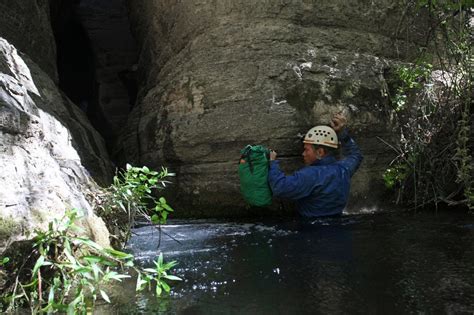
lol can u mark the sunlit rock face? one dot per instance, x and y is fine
(217, 75)
(45, 141)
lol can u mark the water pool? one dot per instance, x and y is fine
(359, 264)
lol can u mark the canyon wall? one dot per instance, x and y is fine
(50, 156)
(217, 75)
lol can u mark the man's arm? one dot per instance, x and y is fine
(350, 150)
(293, 187)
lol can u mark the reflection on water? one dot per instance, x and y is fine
(381, 263)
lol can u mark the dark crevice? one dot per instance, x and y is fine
(79, 56)
(129, 81)
(75, 60)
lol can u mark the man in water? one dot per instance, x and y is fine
(321, 188)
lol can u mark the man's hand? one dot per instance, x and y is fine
(338, 122)
(273, 155)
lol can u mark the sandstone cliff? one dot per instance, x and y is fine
(213, 76)
(217, 75)
(27, 26)
(44, 142)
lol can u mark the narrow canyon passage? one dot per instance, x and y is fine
(97, 58)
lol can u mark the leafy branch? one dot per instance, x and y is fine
(68, 273)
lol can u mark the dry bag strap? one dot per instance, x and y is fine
(247, 157)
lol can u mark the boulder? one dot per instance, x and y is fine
(217, 75)
(49, 153)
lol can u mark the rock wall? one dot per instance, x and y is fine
(27, 26)
(217, 75)
(106, 24)
(45, 141)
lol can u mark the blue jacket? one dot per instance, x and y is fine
(322, 188)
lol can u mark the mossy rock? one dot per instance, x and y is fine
(7, 227)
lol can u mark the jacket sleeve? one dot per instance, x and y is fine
(352, 156)
(296, 186)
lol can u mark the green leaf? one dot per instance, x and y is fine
(118, 254)
(140, 283)
(171, 277)
(51, 295)
(96, 271)
(122, 205)
(119, 277)
(155, 219)
(160, 259)
(38, 264)
(85, 273)
(169, 265)
(104, 296)
(77, 229)
(165, 286)
(114, 275)
(88, 242)
(67, 252)
(4, 261)
(167, 207)
(56, 281)
(32, 283)
(158, 290)
(71, 309)
(94, 259)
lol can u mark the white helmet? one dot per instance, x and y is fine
(322, 135)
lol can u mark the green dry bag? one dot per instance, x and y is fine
(253, 173)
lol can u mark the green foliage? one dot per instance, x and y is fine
(396, 175)
(156, 275)
(132, 194)
(432, 106)
(411, 77)
(160, 211)
(414, 75)
(4, 261)
(68, 273)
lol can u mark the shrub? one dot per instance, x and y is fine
(132, 195)
(432, 107)
(67, 273)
